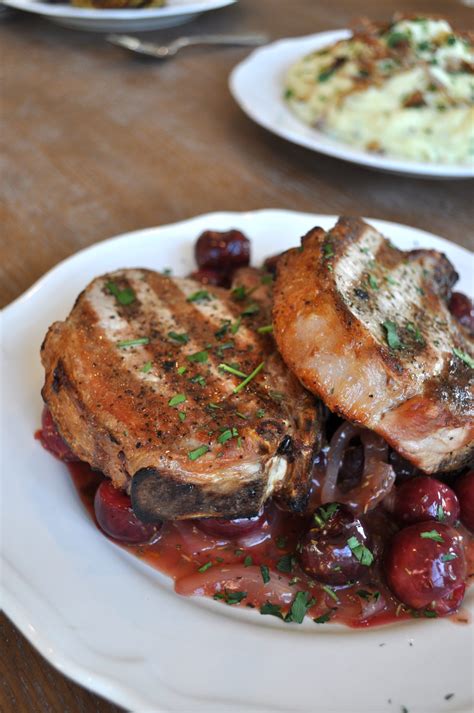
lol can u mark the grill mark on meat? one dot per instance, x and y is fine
(109, 406)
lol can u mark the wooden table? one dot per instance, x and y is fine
(97, 142)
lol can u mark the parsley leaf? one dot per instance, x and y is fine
(205, 567)
(265, 573)
(299, 606)
(199, 296)
(199, 357)
(285, 563)
(177, 399)
(147, 366)
(448, 557)
(464, 357)
(248, 561)
(393, 340)
(323, 618)
(431, 535)
(133, 342)
(198, 452)
(272, 609)
(361, 553)
(179, 338)
(372, 282)
(123, 297)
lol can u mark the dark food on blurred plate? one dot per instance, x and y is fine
(221, 470)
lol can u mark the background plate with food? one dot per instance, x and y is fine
(115, 624)
(269, 85)
(123, 19)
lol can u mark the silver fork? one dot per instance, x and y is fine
(134, 44)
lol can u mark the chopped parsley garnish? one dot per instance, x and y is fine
(227, 435)
(299, 606)
(464, 357)
(252, 308)
(393, 340)
(266, 329)
(222, 331)
(260, 413)
(239, 293)
(323, 514)
(179, 338)
(281, 542)
(234, 597)
(198, 452)
(133, 342)
(198, 379)
(396, 38)
(413, 329)
(448, 557)
(372, 282)
(223, 347)
(360, 551)
(248, 561)
(199, 296)
(324, 618)
(272, 609)
(326, 74)
(330, 592)
(178, 399)
(147, 366)
(123, 297)
(390, 280)
(205, 567)
(431, 535)
(249, 378)
(182, 415)
(430, 614)
(364, 594)
(285, 563)
(231, 370)
(213, 407)
(181, 370)
(266, 279)
(288, 93)
(440, 514)
(328, 250)
(198, 357)
(265, 573)
(235, 327)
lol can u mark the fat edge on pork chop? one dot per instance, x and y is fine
(366, 327)
(146, 381)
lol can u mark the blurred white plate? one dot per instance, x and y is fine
(114, 624)
(257, 85)
(175, 12)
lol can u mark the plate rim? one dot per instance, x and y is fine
(64, 11)
(18, 612)
(336, 149)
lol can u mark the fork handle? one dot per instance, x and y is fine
(252, 39)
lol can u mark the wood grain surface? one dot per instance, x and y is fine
(96, 142)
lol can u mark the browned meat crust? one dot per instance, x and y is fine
(366, 327)
(160, 417)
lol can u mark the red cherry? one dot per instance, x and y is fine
(424, 498)
(114, 514)
(220, 527)
(336, 549)
(51, 439)
(464, 487)
(225, 250)
(425, 567)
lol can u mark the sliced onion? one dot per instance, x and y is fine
(237, 578)
(378, 476)
(372, 607)
(195, 540)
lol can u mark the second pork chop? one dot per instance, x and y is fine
(365, 326)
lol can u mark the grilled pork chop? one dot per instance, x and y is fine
(135, 385)
(365, 326)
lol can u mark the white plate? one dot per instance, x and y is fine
(257, 85)
(113, 623)
(175, 12)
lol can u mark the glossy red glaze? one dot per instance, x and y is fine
(425, 498)
(114, 515)
(51, 440)
(225, 251)
(464, 487)
(462, 307)
(425, 567)
(230, 528)
(182, 549)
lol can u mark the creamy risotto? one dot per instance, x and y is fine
(406, 90)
